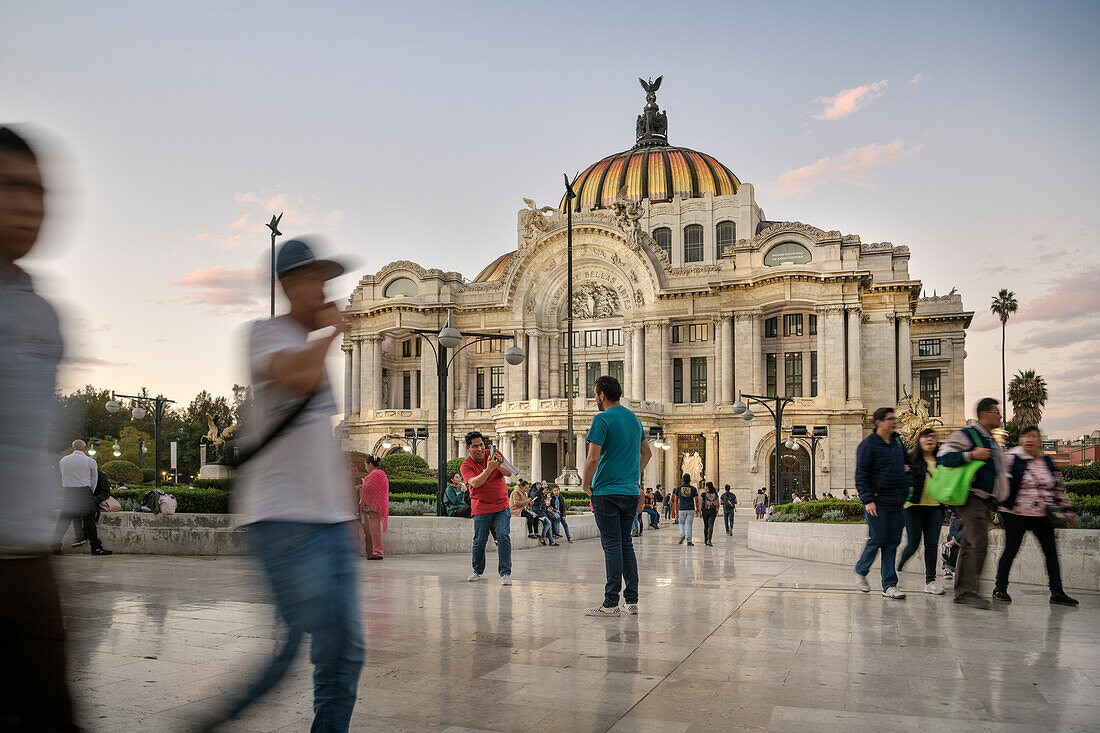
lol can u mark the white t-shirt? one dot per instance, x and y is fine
(300, 476)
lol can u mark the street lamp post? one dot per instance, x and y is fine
(157, 404)
(449, 337)
(775, 406)
(142, 450)
(411, 436)
(570, 471)
(799, 433)
(273, 225)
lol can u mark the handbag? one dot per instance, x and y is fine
(110, 504)
(950, 485)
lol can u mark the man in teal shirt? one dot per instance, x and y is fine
(617, 454)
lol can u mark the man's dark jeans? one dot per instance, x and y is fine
(614, 517)
(883, 533)
(78, 506)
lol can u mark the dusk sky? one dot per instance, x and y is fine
(966, 131)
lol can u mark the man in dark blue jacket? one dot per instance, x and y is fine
(882, 480)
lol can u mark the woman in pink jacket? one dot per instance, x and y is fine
(374, 507)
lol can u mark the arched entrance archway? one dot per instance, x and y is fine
(794, 473)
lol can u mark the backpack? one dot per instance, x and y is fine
(710, 501)
(729, 500)
(156, 501)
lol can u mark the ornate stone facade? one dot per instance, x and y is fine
(686, 314)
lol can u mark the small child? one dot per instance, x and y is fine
(950, 549)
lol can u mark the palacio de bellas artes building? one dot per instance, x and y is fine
(690, 296)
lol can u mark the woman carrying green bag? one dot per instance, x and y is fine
(923, 514)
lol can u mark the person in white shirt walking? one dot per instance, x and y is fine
(79, 473)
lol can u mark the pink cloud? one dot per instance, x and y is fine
(916, 80)
(1074, 296)
(855, 165)
(849, 101)
(220, 287)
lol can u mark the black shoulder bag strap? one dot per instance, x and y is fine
(236, 456)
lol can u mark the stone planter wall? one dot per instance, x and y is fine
(841, 544)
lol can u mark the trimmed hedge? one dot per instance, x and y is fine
(412, 497)
(815, 509)
(412, 486)
(1083, 487)
(123, 472)
(188, 501)
(405, 464)
(1084, 504)
(1090, 472)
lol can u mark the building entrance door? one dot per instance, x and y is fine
(794, 466)
(549, 460)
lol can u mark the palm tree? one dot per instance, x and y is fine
(1028, 392)
(1004, 305)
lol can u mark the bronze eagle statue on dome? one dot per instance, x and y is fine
(651, 86)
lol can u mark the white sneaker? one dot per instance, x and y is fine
(862, 584)
(474, 577)
(602, 610)
(631, 608)
(507, 580)
(893, 592)
(934, 588)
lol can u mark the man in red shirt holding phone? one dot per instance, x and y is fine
(485, 475)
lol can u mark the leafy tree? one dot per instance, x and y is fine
(1028, 392)
(1012, 434)
(1003, 306)
(405, 464)
(122, 472)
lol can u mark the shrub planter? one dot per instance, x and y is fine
(841, 544)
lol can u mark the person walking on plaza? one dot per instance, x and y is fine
(456, 499)
(989, 485)
(489, 506)
(1035, 492)
(617, 455)
(34, 694)
(729, 505)
(882, 481)
(685, 500)
(759, 503)
(923, 514)
(667, 501)
(710, 502)
(374, 507)
(557, 504)
(290, 491)
(79, 476)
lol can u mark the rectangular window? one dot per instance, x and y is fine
(792, 324)
(813, 325)
(663, 237)
(615, 369)
(576, 378)
(792, 374)
(406, 390)
(614, 337)
(769, 361)
(419, 393)
(813, 373)
(677, 334)
(678, 380)
(771, 327)
(593, 339)
(699, 332)
(578, 339)
(928, 347)
(930, 390)
(693, 243)
(592, 372)
(698, 379)
(496, 385)
(480, 378)
(407, 348)
(417, 349)
(481, 347)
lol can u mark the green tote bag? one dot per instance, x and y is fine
(950, 485)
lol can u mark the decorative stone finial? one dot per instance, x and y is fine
(652, 123)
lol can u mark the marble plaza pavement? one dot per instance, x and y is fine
(727, 639)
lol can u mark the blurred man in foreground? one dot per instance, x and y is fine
(33, 695)
(292, 493)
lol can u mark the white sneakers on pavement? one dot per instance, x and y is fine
(631, 608)
(474, 577)
(893, 592)
(507, 580)
(934, 588)
(602, 611)
(862, 584)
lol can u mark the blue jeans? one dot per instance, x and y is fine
(686, 518)
(883, 534)
(614, 516)
(729, 521)
(654, 517)
(311, 569)
(501, 522)
(564, 525)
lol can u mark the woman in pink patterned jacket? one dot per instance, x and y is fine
(374, 507)
(1036, 500)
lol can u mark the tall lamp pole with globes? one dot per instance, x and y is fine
(144, 402)
(449, 338)
(775, 406)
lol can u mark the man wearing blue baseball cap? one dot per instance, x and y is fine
(292, 491)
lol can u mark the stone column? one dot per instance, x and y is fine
(556, 388)
(370, 376)
(743, 352)
(628, 364)
(536, 456)
(456, 381)
(582, 452)
(429, 380)
(725, 353)
(351, 384)
(830, 358)
(855, 359)
(638, 361)
(711, 463)
(653, 470)
(758, 376)
(664, 349)
(532, 365)
(506, 445)
(905, 356)
(514, 378)
(671, 469)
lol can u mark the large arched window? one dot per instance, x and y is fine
(693, 243)
(727, 235)
(402, 286)
(663, 237)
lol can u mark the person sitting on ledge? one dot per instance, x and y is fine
(456, 499)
